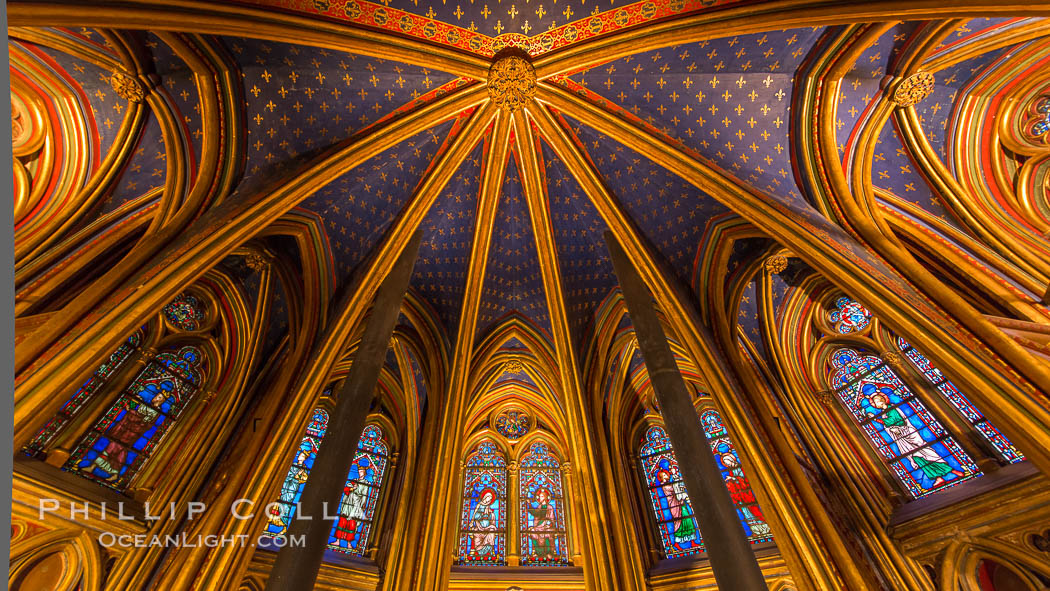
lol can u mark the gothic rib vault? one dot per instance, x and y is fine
(755, 161)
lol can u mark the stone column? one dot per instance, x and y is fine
(296, 567)
(514, 548)
(570, 516)
(732, 560)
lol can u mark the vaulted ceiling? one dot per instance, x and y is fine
(660, 137)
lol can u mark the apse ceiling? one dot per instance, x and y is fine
(729, 102)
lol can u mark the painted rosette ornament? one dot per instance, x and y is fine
(913, 89)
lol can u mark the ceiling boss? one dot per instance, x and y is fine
(512, 82)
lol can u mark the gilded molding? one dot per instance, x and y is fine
(205, 245)
(433, 573)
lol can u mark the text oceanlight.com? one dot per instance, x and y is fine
(109, 540)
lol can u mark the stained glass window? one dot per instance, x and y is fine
(113, 451)
(280, 512)
(512, 423)
(542, 514)
(185, 312)
(915, 445)
(743, 496)
(960, 402)
(849, 316)
(361, 493)
(674, 512)
(679, 532)
(483, 520)
(76, 402)
(350, 532)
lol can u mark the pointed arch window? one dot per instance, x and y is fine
(361, 493)
(739, 487)
(906, 436)
(542, 513)
(849, 316)
(483, 516)
(960, 402)
(350, 532)
(116, 447)
(184, 313)
(673, 510)
(281, 511)
(38, 446)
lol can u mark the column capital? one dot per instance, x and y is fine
(893, 359)
(256, 261)
(775, 264)
(826, 396)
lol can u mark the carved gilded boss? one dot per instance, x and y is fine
(512, 82)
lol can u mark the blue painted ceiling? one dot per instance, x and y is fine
(513, 281)
(729, 99)
(299, 98)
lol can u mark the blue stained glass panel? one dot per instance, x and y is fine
(350, 530)
(739, 487)
(960, 402)
(909, 439)
(678, 530)
(282, 511)
(113, 451)
(849, 316)
(71, 408)
(483, 514)
(542, 513)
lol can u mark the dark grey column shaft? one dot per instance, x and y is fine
(732, 559)
(296, 567)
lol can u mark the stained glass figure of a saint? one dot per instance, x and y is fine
(361, 493)
(674, 512)
(282, 510)
(350, 532)
(113, 451)
(542, 514)
(483, 513)
(909, 439)
(740, 491)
